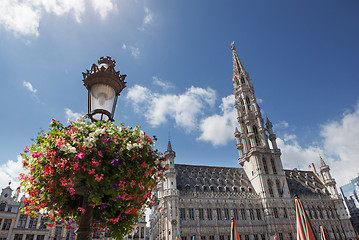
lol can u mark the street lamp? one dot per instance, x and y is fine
(104, 85)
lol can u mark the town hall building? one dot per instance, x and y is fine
(200, 201)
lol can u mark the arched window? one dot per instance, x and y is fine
(256, 136)
(235, 189)
(188, 187)
(265, 166)
(212, 188)
(270, 187)
(179, 187)
(279, 188)
(197, 188)
(320, 213)
(248, 104)
(204, 188)
(315, 213)
(242, 104)
(242, 80)
(273, 166)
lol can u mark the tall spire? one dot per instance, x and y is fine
(237, 64)
(169, 147)
(322, 163)
(169, 150)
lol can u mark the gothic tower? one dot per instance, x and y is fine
(260, 160)
(170, 196)
(328, 181)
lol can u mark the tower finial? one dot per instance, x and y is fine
(232, 46)
(322, 163)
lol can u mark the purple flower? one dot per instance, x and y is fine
(114, 186)
(124, 217)
(118, 198)
(116, 162)
(102, 206)
(108, 140)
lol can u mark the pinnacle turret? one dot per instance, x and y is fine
(169, 150)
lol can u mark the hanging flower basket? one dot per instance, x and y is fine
(116, 166)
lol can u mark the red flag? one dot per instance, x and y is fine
(304, 229)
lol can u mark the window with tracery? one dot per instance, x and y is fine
(265, 166)
(256, 136)
(248, 104)
(242, 80)
(273, 166)
(242, 105)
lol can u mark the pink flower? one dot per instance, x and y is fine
(36, 155)
(92, 171)
(100, 154)
(72, 192)
(80, 155)
(81, 209)
(99, 178)
(133, 183)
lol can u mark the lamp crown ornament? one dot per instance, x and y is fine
(104, 85)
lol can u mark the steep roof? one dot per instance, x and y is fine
(213, 178)
(207, 177)
(304, 183)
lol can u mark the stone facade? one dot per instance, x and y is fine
(200, 201)
(14, 225)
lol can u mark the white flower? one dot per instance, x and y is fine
(72, 149)
(129, 146)
(63, 147)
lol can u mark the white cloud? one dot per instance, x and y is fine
(29, 87)
(184, 108)
(340, 148)
(23, 17)
(72, 115)
(163, 84)
(147, 20)
(219, 129)
(281, 125)
(148, 17)
(9, 171)
(341, 141)
(135, 51)
(296, 156)
(103, 7)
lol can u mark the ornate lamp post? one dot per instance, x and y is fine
(104, 85)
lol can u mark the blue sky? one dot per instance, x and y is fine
(302, 56)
